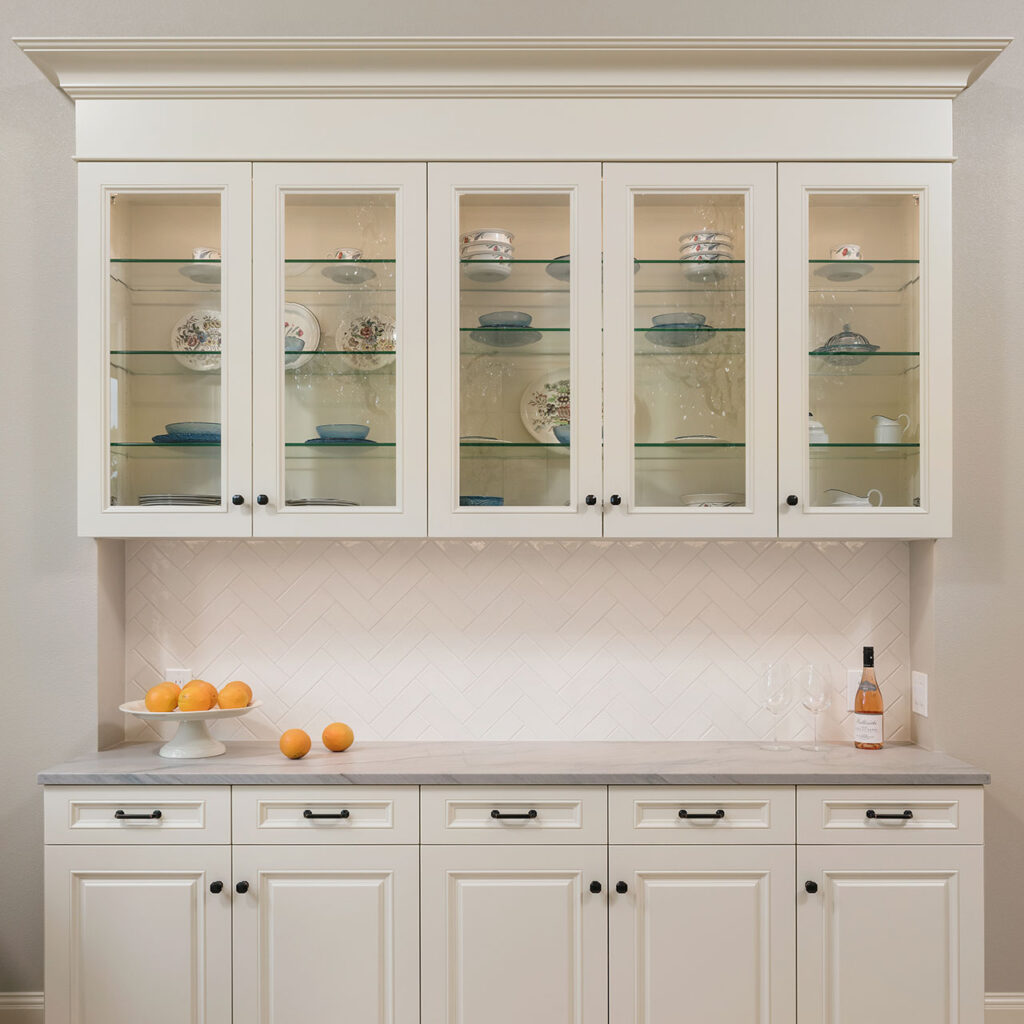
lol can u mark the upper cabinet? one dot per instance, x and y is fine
(479, 289)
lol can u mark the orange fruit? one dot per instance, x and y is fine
(295, 743)
(338, 736)
(162, 697)
(202, 684)
(235, 695)
(196, 699)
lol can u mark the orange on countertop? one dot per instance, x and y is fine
(295, 743)
(235, 694)
(338, 736)
(197, 698)
(162, 697)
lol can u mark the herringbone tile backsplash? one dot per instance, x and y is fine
(454, 639)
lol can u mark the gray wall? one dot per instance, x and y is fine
(48, 696)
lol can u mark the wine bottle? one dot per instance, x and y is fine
(867, 707)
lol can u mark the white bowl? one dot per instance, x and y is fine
(706, 247)
(487, 270)
(704, 257)
(707, 236)
(723, 500)
(193, 738)
(487, 235)
(474, 247)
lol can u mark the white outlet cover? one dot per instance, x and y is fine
(919, 693)
(852, 683)
(179, 675)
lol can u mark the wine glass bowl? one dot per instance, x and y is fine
(777, 698)
(815, 683)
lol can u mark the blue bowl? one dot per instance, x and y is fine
(480, 499)
(342, 431)
(562, 433)
(508, 318)
(193, 427)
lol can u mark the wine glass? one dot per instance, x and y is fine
(815, 682)
(777, 697)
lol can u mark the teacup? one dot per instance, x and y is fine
(844, 499)
(849, 251)
(345, 254)
(205, 252)
(890, 431)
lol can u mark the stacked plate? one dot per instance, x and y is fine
(309, 502)
(485, 254)
(679, 330)
(506, 329)
(179, 499)
(190, 432)
(706, 247)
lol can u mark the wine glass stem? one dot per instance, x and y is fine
(775, 730)
(815, 730)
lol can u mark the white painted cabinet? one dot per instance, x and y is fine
(890, 934)
(703, 933)
(326, 932)
(133, 933)
(513, 934)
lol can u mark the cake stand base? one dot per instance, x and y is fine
(192, 739)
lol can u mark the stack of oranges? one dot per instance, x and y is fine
(197, 695)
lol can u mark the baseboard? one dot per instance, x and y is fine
(1004, 1008)
(21, 1008)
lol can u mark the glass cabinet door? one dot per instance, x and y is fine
(340, 311)
(864, 317)
(690, 353)
(164, 401)
(515, 350)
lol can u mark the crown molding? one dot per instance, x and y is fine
(528, 66)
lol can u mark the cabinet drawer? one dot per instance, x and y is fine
(890, 814)
(713, 814)
(158, 815)
(351, 814)
(514, 814)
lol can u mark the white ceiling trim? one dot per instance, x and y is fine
(476, 67)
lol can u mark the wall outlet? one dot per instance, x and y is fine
(179, 675)
(852, 683)
(919, 693)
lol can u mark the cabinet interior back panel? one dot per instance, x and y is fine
(461, 640)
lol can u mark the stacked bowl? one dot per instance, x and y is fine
(486, 252)
(703, 247)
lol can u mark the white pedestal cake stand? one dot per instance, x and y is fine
(193, 737)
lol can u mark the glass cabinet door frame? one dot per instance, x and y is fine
(932, 183)
(448, 182)
(757, 183)
(98, 184)
(272, 182)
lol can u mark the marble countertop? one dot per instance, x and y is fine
(255, 763)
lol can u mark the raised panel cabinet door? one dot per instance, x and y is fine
(701, 934)
(690, 350)
(325, 934)
(892, 934)
(339, 350)
(514, 934)
(164, 350)
(135, 934)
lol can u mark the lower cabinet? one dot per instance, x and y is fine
(325, 933)
(701, 933)
(514, 935)
(133, 933)
(890, 934)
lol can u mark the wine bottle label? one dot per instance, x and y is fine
(867, 728)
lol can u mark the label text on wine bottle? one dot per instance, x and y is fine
(867, 728)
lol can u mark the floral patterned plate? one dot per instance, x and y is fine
(545, 405)
(368, 335)
(198, 331)
(301, 335)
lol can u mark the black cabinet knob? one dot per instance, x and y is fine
(811, 887)
(261, 499)
(616, 499)
(241, 887)
(621, 887)
(216, 887)
(595, 886)
(591, 499)
(237, 499)
(792, 500)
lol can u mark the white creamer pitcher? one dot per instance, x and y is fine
(847, 500)
(890, 431)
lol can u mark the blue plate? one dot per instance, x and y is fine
(193, 427)
(506, 337)
(679, 336)
(505, 318)
(342, 431)
(337, 440)
(186, 439)
(480, 499)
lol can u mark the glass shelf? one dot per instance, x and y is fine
(713, 341)
(152, 450)
(647, 451)
(378, 450)
(873, 364)
(162, 362)
(885, 276)
(553, 341)
(165, 275)
(867, 450)
(308, 276)
(718, 277)
(525, 277)
(511, 450)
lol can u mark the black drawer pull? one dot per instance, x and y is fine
(621, 887)
(241, 888)
(307, 813)
(531, 813)
(595, 886)
(689, 814)
(905, 816)
(811, 887)
(216, 887)
(152, 816)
